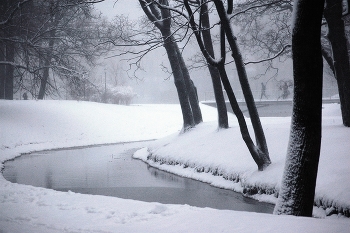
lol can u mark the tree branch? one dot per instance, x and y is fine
(271, 58)
(13, 12)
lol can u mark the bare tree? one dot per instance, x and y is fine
(47, 38)
(147, 39)
(259, 152)
(214, 72)
(242, 75)
(297, 191)
(161, 18)
(7, 47)
(266, 30)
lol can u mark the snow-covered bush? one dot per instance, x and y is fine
(121, 95)
(108, 94)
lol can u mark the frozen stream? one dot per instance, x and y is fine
(111, 171)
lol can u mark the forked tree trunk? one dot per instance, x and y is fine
(337, 38)
(243, 79)
(296, 196)
(161, 18)
(258, 155)
(214, 72)
(170, 47)
(191, 89)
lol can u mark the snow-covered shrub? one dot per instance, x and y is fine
(110, 94)
(121, 95)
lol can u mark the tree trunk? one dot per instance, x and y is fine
(296, 196)
(328, 58)
(44, 80)
(257, 154)
(9, 69)
(161, 18)
(180, 84)
(214, 72)
(260, 157)
(337, 38)
(191, 89)
(242, 75)
(47, 63)
(2, 71)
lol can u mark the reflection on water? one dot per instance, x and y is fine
(110, 170)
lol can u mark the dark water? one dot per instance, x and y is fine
(110, 171)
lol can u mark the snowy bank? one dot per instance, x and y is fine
(222, 159)
(27, 126)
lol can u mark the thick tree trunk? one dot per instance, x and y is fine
(242, 75)
(191, 89)
(180, 84)
(296, 196)
(214, 72)
(337, 38)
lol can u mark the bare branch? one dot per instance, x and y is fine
(14, 11)
(271, 58)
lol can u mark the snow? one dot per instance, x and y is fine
(224, 152)
(27, 126)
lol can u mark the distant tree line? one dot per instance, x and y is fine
(46, 42)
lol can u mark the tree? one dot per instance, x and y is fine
(7, 47)
(67, 47)
(214, 72)
(47, 38)
(337, 38)
(266, 30)
(191, 89)
(161, 18)
(259, 152)
(243, 79)
(151, 40)
(53, 22)
(297, 191)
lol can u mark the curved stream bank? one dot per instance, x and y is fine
(111, 171)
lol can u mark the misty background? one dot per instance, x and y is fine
(152, 82)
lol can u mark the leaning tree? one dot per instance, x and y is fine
(161, 18)
(259, 151)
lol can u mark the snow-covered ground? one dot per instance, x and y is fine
(27, 126)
